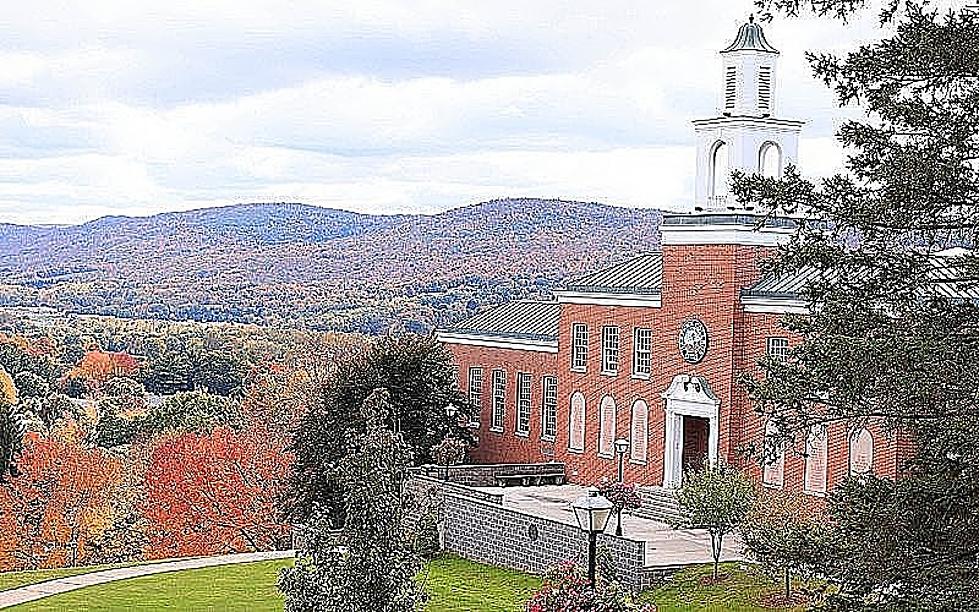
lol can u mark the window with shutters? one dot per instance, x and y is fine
(765, 89)
(476, 390)
(579, 347)
(642, 352)
(606, 432)
(730, 87)
(523, 404)
(549, 408)
(816, 455)
(610, 349)
(576, 424)
(639, 432)
(498, 415)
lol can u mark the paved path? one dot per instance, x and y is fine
(33, 592)
(665, 547)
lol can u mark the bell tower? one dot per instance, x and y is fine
(745, 135)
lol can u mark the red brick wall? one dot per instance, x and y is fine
(506, 447)
(698, 281)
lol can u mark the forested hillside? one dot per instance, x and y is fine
(296, 265)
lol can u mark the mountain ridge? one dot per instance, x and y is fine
(298, 264)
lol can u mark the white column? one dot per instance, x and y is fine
(712, 440)
(668, 446)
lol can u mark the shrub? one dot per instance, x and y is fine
(566, 589)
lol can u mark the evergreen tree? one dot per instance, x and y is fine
(418, 375)
(893, 333)
(372, 566)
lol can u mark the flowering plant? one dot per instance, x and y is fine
(566, 589)
(624, 496)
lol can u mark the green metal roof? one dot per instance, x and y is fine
(524, 320)
(642, 275)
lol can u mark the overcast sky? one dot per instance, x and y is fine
(131, 107)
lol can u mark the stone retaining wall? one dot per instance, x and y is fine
(489, 533)
(485, 475)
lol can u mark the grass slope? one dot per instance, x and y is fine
(741, 588)
(456, 584)
(248, 587)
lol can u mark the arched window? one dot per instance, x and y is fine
(816, 446)
(774, 475)
(606, 434)
(861, 452)
(640, 432)
(770, 160)
(719, 169)
(576, 420)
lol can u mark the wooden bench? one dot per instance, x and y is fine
(530, 480)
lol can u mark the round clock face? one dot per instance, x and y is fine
(693, 341)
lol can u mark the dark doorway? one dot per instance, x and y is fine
(696, 431)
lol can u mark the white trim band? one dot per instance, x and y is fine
(514, 344)
(609, 299)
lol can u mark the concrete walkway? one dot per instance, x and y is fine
(33, 592)
(665, 546)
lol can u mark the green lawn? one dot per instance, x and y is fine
(12, 580)
(453, 584)
(456, 584)
(245, 587)
(741, 588)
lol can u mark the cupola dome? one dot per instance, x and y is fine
(751, 37)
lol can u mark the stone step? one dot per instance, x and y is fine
(658, 505)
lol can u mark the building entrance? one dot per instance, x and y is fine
(696, 432)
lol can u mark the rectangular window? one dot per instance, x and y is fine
(499, 400)
(778, 348)
(455, 376)
(579, 347)
(549, 408)
(642, 352)
(476, 391)
(523, 403)
(610, 349)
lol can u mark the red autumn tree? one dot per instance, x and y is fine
(97, 367)
(214, 494)
(59, 504)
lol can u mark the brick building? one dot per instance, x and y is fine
(650, 350)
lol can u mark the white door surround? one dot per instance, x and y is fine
(687, 396)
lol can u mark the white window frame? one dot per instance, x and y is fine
(579, 347)
(549, 408)
(577, 398)
(645, 353)
(475, 390)
(777, 347)
(606, 435)
(610, 350)
(817, 431)
(498, 411)
(768, 476)
(639, 407)
(522, 421)
(854, 438)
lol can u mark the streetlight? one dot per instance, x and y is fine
(592, 512)
(450, 411)
(621, 448)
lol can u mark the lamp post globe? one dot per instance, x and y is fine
(621, 448)
(592, 513)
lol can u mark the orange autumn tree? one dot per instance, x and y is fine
(59, 503)
(215, 493)
(97, 367)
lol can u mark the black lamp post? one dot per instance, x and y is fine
(621, 448)
(450, 411)
(592, 513)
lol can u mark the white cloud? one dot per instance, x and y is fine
(115, 107)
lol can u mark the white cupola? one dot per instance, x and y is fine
(745, 135)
